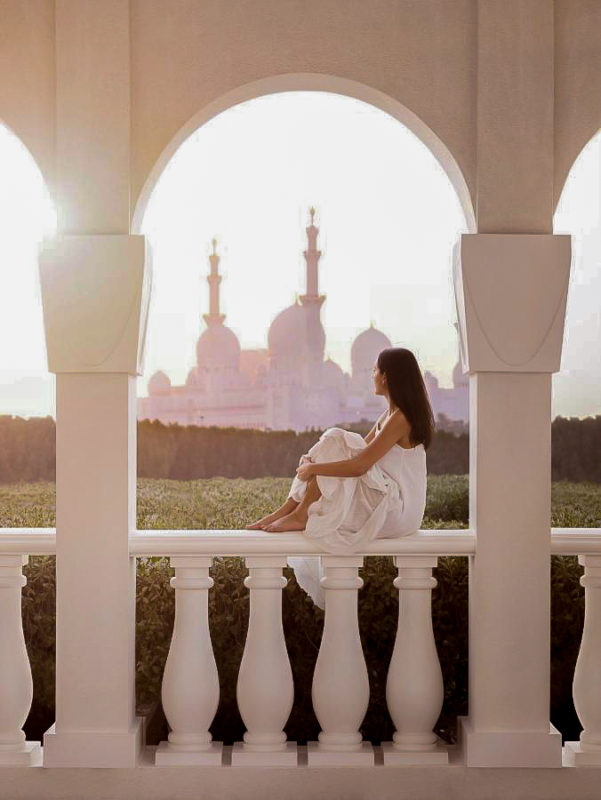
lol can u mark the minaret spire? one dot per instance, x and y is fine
(312, 300)
(312, 256)
(214, 279)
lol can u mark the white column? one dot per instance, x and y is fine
(95, 298)
(511, 298)
(16, 686)
(95, 282)
(586, 688)
(511, 292)
(265, 689)
(414, 686)
(340, 690)
(190, 688)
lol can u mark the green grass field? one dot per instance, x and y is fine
(226, 503)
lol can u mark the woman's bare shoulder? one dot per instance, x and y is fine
(400, 423)
(396, 417)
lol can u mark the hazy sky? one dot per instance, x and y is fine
(388, 217)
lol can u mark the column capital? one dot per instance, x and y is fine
(191, 562)
(415, 562)
(266, 562)
(511, 292)
(591, 561)
(95, 295)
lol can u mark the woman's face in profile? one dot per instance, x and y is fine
(379, 379)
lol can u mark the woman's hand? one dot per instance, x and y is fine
(305, 471)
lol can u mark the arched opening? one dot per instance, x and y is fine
(27, 391)
(365, 154)
(307, 82)
(576, 386)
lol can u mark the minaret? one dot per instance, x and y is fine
(312, 256)
(214, 279)
(459, 377)
(312, 300)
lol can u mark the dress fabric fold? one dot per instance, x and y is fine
(354, 511)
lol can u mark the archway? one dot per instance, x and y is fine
(28, 216)
(213, 144)
(578, 213)
(312, 82)
(27, 390)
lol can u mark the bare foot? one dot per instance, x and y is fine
(260, 524)
(291, 522)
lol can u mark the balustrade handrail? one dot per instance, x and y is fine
(28, 541)
(252, 542)
(217, 542)
(575, 541)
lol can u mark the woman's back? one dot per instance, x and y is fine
(406, 466)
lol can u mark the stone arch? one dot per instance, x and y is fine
(312, 82)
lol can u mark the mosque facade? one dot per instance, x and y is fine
(290, 384)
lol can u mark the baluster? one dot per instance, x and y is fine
(16, 685)
(340, 683)
(190, 690)
(414, 686)
(586, 688)
(265, 688)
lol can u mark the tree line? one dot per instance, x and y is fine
(188, 452)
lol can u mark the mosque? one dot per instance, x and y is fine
(289, 385)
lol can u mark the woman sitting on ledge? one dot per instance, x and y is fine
(384, 491)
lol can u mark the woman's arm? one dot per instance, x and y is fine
(359, 464)
(347, 468)
(395, 428)
(355, 466)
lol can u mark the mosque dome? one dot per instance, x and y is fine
(332, 373)
(366, 347)
(218, 346)
(159, 383)
(287, 336)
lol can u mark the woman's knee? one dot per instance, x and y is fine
(333, 432)
(331, 445)
(347, 440)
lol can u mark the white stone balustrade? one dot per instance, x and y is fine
(16, 685)
(586, 686)
(340, 690)
(265, 688)
(414, 687)
(190, 689)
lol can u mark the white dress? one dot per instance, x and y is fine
(387, 501)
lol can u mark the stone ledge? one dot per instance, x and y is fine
(290, 783)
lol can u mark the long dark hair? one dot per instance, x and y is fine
(408, 392)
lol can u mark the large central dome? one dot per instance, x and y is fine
(288, 335)
(366, 348)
